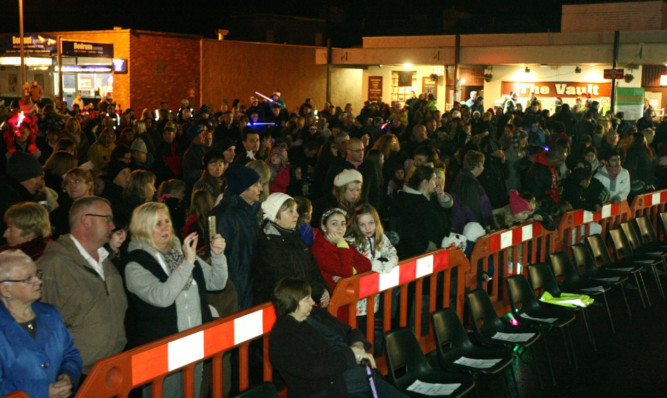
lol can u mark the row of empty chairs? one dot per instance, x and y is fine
(459, 361)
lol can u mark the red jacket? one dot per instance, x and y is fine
(334, 260)
(281, 182)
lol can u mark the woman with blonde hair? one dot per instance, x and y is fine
(28, 229)
(167, 283)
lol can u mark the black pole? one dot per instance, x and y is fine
(613, 81)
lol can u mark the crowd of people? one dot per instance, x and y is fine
(132, 226)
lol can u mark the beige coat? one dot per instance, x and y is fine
(92, 309)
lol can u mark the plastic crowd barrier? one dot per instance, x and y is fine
(509, 251)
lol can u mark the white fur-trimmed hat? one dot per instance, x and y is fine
(272, 204)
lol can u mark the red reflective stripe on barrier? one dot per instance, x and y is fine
(219, 338)
(408, 272)
(615, 209)
(647, 200)
(440, 261)
(597, 216)
(269, 316)
(369, 284)
(494, 243)
(663, 196)
(537, 229)
(150, 364)
(578, 218)
(517, 236)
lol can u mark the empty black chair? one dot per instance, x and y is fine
(584, 261)
(647, 234)
(663, 221)
(624, 253)
(407, 363)
(453, 343)
(493, 331)
(644, 252)
(600, 254)
(526, 308)
(570, 281)
(542, 279)
(265, 390)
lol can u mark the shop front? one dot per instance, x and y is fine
(87, 68)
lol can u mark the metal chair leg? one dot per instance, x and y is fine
(589, 328)
(657, 281)
(574, 354)
(641, 279)
(639, 289)
(551, 368)
(611, 320)
(625, 299)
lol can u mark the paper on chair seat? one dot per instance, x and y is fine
(549, 320)
(594, 289)
(611, 279)
(433, 389)
(513, 337)
(626, 269)
(655, 253)
(649, 261)
(477, 363)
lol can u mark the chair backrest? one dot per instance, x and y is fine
(450, 336)
(484, 316)
(266, 390)
(598, 249)
(646, 230)
(563, 267)
(663, 219)
(542, 279)
(620, 244)
(631, 234)
(583, 260)
(521, 295)
(403, 351)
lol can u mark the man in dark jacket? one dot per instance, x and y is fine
(24, 183)
(236, 221)
(192, 159)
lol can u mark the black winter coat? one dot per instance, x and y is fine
(420, 221)
(236, 221)
(281, 253)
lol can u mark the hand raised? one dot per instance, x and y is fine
(190, 247)
(218, 245)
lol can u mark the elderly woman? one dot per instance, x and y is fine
(280, 252)
(167, 283)
(37, 354)
(345, 195)
(316, 354)
(28, 228)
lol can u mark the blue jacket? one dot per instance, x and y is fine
(30, 365)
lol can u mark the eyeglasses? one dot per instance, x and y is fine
(31, 279)
(106, 217)
(73, 182)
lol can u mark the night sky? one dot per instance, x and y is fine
(347, 20)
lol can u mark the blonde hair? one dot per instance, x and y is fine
(264, 176)
(59, 162)
(29, 217)
(81, 173)
(144, 221)
(359, 238)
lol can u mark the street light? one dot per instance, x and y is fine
(21, 46)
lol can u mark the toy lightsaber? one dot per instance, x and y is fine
(264, 96)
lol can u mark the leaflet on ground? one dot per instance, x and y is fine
(433, 389)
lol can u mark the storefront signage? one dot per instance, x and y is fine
(630, 101)
(374, 88)
(556, 89)
(87, 49)
(86, 69)
(614, 73)
(32, 44)
(119, 65)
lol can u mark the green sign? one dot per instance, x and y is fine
(630, 96)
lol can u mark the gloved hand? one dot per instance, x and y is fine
(382, 265)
